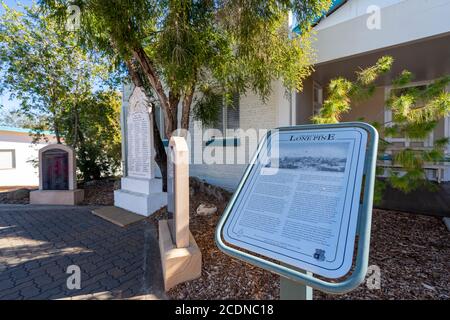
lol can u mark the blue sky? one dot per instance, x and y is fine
(13, 3)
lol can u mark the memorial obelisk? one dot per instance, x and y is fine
(140, 191)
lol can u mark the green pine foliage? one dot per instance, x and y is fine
(341, 92)
(415, 113)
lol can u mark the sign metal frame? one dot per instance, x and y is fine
(363, 225)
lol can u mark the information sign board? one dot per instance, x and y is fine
(300, 199)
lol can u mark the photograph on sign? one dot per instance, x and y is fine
(299, 203)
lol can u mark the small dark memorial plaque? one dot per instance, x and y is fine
(55, 170)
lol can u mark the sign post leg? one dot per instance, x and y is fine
(293, 290)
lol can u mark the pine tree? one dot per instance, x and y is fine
(415, 113)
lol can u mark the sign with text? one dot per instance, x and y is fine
(300, 200)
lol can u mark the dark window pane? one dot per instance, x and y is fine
(233, 113)
(160, 122)
(220, 123)
(7, 159)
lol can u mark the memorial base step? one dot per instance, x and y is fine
(141, 185)
(61, 197)
(140, 203)
(178, 264)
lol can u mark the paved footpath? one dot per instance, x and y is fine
(39, 243)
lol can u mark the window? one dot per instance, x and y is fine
(401, 141)
(7, 159)
(229, 117)
(317, 98)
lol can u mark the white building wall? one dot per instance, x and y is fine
(256, 116)
(25, 172)
(255, 113)
(353, 9)
(346, 33)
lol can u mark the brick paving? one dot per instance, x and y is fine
(38, 244)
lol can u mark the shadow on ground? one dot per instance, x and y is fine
(38, 244)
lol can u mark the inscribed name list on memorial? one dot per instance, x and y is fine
(139, 138)
(299, 204)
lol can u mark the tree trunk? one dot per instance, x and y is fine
(57, 134)
(185, 112)
(161, 155)
(167, 103)
(81, 158)
(75, 127)
(174, 100)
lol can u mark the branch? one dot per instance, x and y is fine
(135, 78)
(151, 75)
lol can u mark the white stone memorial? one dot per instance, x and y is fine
(140, 191)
